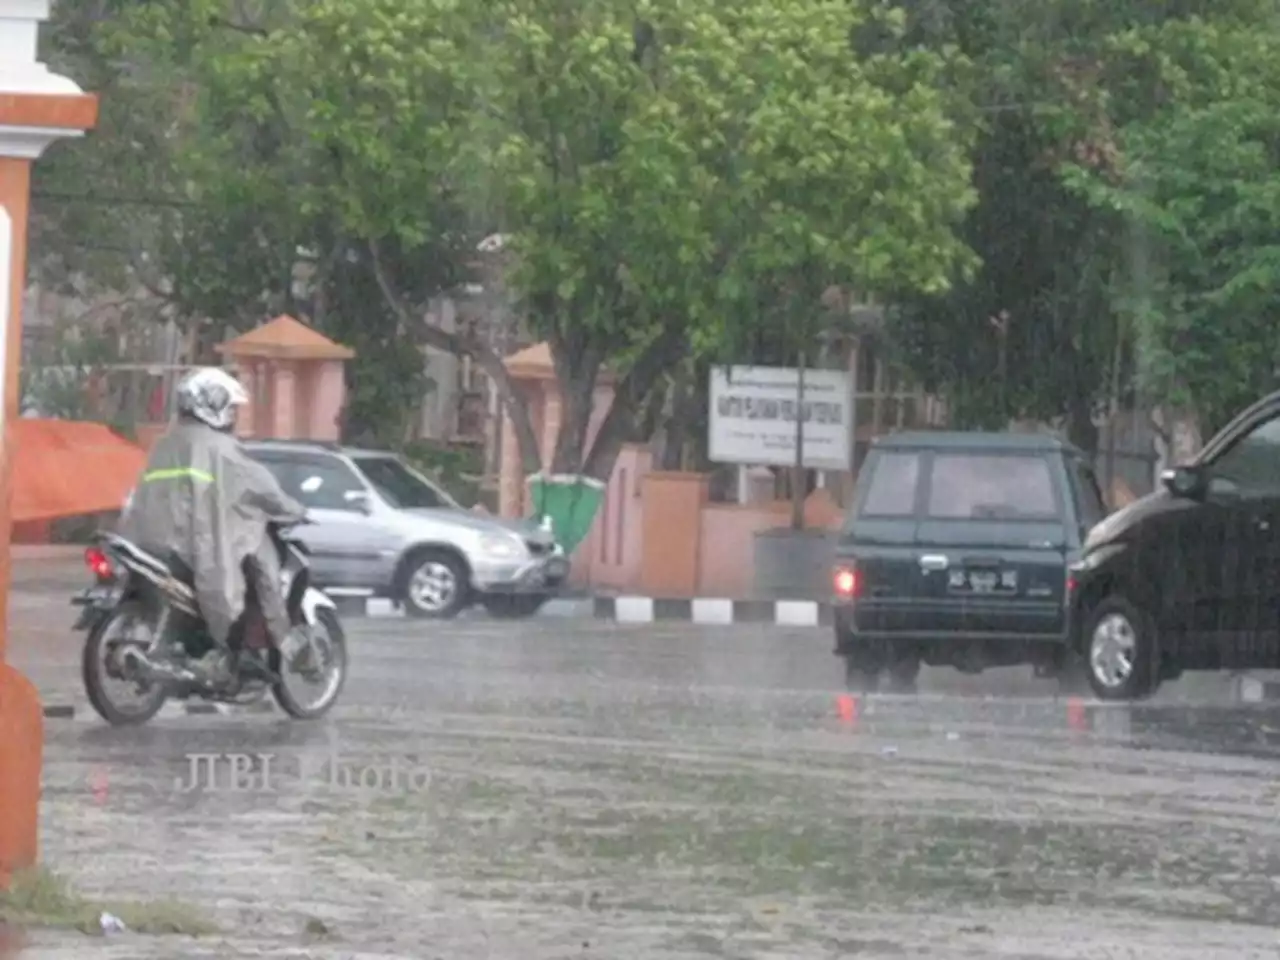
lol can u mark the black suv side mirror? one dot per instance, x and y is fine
(1189, 482)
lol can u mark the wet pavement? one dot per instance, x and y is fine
(555, 789)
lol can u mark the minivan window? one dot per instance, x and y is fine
(400, 486)
(991, 486)
(893, 485)
(1093, 509)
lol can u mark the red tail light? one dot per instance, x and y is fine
(847, 582)
(97, 563)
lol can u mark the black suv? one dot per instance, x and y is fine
(957, 552)
(1188, 577)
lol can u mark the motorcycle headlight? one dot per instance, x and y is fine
(501, 548)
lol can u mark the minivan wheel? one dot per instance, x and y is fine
(436, 586)
(903, 671)
(1119, 651)
(1071, 672)
(862, 670)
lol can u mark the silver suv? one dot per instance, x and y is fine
(381, 529)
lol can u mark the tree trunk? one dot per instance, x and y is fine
(617, 425)
(577, 367)
(1178, 438)
(1187, 439)
(1081, 430)
(650, 422)
(676, 429)
(629, 394)
(514, 402)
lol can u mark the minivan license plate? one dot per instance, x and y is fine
(984, 581)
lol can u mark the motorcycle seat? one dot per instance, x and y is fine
(171, 566)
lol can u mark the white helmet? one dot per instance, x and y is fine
(211, 395)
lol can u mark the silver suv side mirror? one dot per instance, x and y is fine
(359, 499)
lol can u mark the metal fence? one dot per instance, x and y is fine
(122, 394)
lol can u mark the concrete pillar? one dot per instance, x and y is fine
(510, 480)
(284, 396)
(37, 107)
(671, 533)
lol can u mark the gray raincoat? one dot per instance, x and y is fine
(204, 499)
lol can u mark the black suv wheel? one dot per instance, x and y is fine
(1118, 646)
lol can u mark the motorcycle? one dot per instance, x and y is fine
(144, 628)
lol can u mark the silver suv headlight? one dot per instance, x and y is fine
(497, 547)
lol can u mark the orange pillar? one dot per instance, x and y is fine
(671, 533)
(36, 108)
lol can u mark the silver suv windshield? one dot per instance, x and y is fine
(401, 486)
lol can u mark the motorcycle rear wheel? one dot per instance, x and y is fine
(93, 662)
(328, 622)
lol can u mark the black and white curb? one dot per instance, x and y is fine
(706, 611)
(172, 710)
(712, 611)
(1256, 690)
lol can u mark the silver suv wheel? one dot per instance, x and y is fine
(436, 586)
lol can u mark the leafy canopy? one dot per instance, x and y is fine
(1198, 189)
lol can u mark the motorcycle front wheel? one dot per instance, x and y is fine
(325, 682)
(101, 666)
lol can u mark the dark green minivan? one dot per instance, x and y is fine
(956, 552)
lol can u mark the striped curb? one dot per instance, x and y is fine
(712, 611)
(1255, 690)
(172, 710)
(705, 611)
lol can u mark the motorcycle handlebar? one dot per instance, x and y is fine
(298, 522)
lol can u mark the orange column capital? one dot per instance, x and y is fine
(37, 108)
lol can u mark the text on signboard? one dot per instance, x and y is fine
(756, 408)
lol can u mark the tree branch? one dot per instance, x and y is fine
(462, 345)
(225, 23)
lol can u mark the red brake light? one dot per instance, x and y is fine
(98, 563)
(847, 582)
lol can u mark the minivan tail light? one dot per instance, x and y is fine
(847, 582)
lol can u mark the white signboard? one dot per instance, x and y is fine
(753, 417)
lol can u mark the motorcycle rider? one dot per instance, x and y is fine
(203, 501)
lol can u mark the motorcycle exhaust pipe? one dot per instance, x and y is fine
(135, 660)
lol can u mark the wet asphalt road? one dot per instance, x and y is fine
(578, 789)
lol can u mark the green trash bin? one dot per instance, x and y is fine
(567, 504)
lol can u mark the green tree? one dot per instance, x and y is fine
(1196, 186)
(1054, 309)
(844, 177)
(184, 190)
(201, 189)
(656, 170)
(101, 206)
